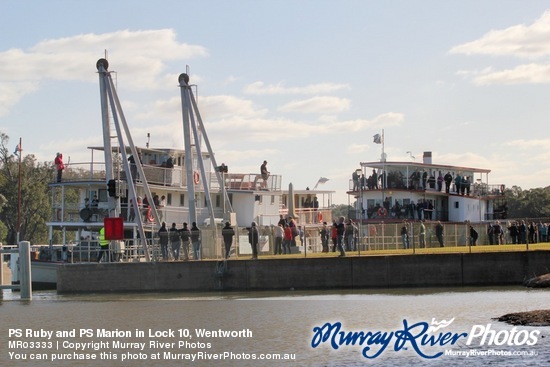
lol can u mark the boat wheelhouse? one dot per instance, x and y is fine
(387, 190)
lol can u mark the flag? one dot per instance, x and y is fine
(322, 180)
(377, 139)
(17, 149)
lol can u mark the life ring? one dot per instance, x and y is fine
(150, 217)
(196, 178)
(382, 212)
(319, 217)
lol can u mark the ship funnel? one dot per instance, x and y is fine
(427, 158)
(291, 212)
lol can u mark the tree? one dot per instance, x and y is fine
(533, 203)
(35, 198)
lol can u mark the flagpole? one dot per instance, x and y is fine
(383, 163)
(20, 150)
(383, 142)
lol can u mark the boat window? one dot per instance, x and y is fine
(102, 195)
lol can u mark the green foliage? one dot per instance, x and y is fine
(35, 196)
(534, 203)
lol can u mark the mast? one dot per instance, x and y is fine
(109, 97)
(192, 118)
(185, 109)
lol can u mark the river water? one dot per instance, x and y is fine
(268, 325)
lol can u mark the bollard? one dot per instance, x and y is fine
(25, 270)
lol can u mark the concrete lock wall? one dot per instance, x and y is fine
(445, 270)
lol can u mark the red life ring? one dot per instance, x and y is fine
(150, 217)
(196, 177)
(319, 217)
(382, 212)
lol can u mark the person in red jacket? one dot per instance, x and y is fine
(334, 236)
(59, 166)
(287, 239)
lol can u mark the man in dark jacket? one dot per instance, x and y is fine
(196, 241)
(185, 235)
(163, 236)
(439, 233)
(253, 238)
(448, 180)
(227, 233)
(175, 241)
(341, 231)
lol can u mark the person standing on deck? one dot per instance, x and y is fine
(175, 242)
(341, 232)
(253, 239)
(265, 175)
(324, 236)
(448, 178)
(196, 241)
(185, 234)
(59, 166)
(103, 244)
(458, 183)
(355, 179)
(163, 240)
(439, 233)
(287, 240)
(422, 235)
(279, 234)
(405, 235)
(227, 233)
(133, 166)
(440, 180)
(334, 235)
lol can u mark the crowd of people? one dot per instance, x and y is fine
(458, 183)
(517, 232)
(341, 236)
(180, 239)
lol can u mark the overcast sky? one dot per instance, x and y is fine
(302, 84)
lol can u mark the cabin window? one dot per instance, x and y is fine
(102, 195)
(218, 201)
(272, 199)
(182, 200)
(456, 204)
(169, 199)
